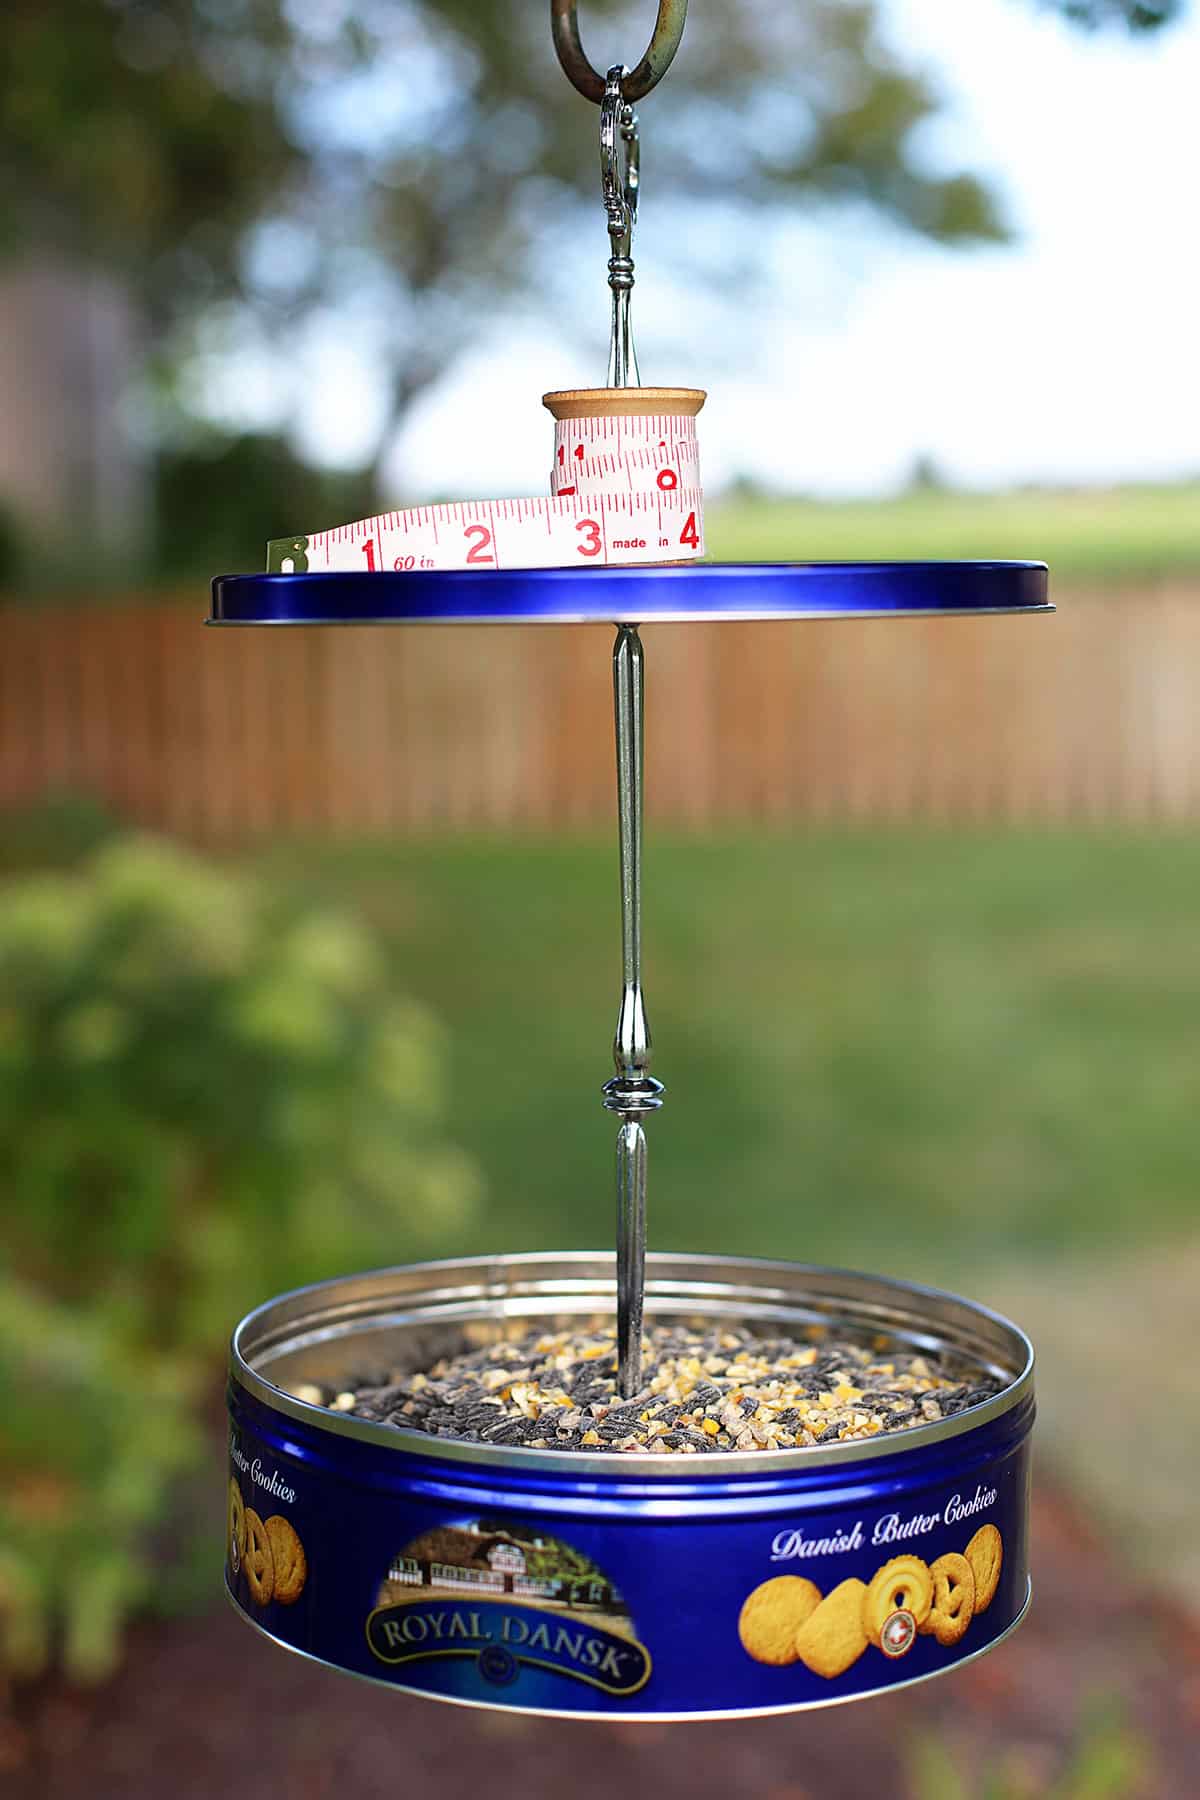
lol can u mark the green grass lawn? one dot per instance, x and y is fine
(967, 1058)
(1089, 536)
(1092, 535)
(915, 1052)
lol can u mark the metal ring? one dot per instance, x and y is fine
(660, 53)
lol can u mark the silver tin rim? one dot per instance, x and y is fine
(637, 616)
(539, 1283)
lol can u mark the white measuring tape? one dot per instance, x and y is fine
(624, 489)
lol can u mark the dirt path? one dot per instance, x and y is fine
(199, 1713)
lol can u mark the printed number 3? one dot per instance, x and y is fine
(594, 543)
(479, 552)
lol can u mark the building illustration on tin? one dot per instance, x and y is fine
(484, 1558)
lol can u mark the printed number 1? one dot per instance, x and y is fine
(594, 543)
(369, 552)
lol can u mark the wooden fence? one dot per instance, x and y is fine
(224, 736)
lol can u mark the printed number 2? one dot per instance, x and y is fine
(479, 553)
(594, 543)
(689, 535)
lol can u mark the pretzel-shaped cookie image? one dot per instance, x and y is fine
(259, 1560)
(953, 1599)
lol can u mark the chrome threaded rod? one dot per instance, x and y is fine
(632, 1093)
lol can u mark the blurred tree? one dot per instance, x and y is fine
(283, 152)
(10, 545)
(1139, 15)
(234, 161)
(927, 476)
(216, 497)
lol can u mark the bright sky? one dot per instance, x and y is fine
(1069, 357)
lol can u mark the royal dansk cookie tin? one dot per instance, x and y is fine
(623, 1583)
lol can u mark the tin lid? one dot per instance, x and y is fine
(633, 595)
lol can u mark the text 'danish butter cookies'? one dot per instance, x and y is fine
(953, 1598)
(833, 1639)
(772, 1615)
(985, 1553)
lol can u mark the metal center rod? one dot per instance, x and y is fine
(631, 1254)
(632, 1093)
(631, 1046)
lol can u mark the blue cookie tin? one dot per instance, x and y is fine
(616, 1585)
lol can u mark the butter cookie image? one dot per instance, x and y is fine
(832, 1639)
(258, 1560)
(237, 1525)
(985, 1553)
(772, 1615)
(953, 1598)
(902, 1585)
(288, 1559)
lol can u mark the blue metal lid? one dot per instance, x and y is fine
(689, 591)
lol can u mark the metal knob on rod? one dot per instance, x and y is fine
(632, 1093)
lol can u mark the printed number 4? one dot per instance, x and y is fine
(594, 543)
(689, 535)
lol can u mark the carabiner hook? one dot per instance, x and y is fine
(619, 175)
(619, 168)
(660, 52)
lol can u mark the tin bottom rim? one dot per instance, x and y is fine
(636, 1718)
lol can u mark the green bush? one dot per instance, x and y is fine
(207, 1093)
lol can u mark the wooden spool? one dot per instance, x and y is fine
(624, 403)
